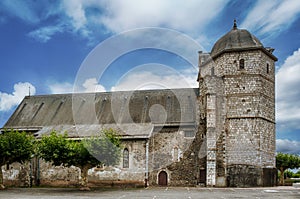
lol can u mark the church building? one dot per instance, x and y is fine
(221, 134)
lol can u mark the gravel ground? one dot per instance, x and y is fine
(153, 193)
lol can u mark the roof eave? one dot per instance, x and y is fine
(212, 58)
(244, 49)
(21, 128)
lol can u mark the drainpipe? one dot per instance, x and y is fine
(30, 173)
(38, 181)
(147, 163)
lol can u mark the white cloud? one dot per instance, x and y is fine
(90, 85)
(120, 15)
(288, 93)
(87, 17)
(272, 16)
(75, 10)
(158, 77)
(60, 88)
(21, 89)
(123, 15)
(45, 33)
(287, 146)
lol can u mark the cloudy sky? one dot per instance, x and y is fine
(44, 44)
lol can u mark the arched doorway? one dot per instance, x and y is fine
(163, 178)
(202, 176)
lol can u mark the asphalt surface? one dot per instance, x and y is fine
(153, 193)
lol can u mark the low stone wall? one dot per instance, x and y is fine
(57, 175)
(296, 185)
(250, 176)
(16, 175)
(28, 174)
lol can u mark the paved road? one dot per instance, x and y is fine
(151, 193)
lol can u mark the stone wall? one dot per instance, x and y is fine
(120, 175)
(242, 142)
(17, 174)
(183, 166)
(213, 109)
(239, 106)
(244, 176)
(250, 176)
(50, 175)
(39, 172)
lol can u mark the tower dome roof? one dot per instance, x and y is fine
(235, 40)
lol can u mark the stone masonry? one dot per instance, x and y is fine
(238, 87)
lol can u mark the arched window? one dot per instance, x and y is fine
(242, 64)
(176, 154)
(125, 158)
(268, 68)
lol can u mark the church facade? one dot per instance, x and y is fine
(220, 134)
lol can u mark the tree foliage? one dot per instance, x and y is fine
(85, 154)
(286, 161)
(106, 149)
(15, 147)
(290, 174)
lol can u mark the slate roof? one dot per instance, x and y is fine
(238, 40)
(133, 113)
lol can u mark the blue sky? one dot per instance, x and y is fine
(44, 43)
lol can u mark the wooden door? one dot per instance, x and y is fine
(202, 177)
(163, 178)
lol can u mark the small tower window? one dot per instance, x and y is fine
(268, 68)
(125, 158)
(212, 71)
(242, 64)
(175, 154)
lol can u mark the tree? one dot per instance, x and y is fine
(297, 174)
(288, 173)
(286, 161)
(85, 154)
(14, 147)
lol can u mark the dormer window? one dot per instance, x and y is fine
(242, 64)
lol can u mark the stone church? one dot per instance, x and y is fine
(221, 134)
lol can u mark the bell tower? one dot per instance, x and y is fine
(237, 97)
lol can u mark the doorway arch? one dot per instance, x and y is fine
(163, 178)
